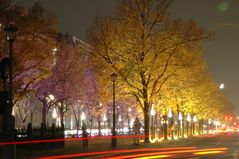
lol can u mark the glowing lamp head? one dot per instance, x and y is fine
(55, 49)
(113, 77)
(11, 32)
(222, 86)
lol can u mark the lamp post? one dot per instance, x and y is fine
(9, 152)
(11, 36)
(113, 140)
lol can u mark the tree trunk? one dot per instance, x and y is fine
(91, 124)
(165, 127)
(99, 127)
(62, 118)
(31, 118)
(44, 111)
(165, 131)
(24, 123)
(77, 127)
(146, 122)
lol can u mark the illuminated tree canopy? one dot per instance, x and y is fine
(141, 43)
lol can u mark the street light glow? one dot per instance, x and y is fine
(104, 118)
(222, 86)
(120, 119)
(51, 97)
(82, 116)
(54, 114)
(170, 115)
(152, 111)
(180, 117)
(194, 119)
(189, 117)
(54, 50)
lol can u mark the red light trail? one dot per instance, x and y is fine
(67, 139)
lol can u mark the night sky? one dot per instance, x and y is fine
(220, 16)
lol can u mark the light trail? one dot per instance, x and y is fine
(155, 157)
(68, 139)
(208, 152)
(165, 153)
(115, 151)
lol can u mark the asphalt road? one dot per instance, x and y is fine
(217, 146)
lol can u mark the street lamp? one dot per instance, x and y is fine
(11, 36)
(113, 140)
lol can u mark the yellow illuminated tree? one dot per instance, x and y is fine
(138, 42)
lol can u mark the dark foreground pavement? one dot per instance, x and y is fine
(229, 141)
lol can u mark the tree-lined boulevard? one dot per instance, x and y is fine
(140, 73)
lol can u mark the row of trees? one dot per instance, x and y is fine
(158, 61)
(46, 63)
